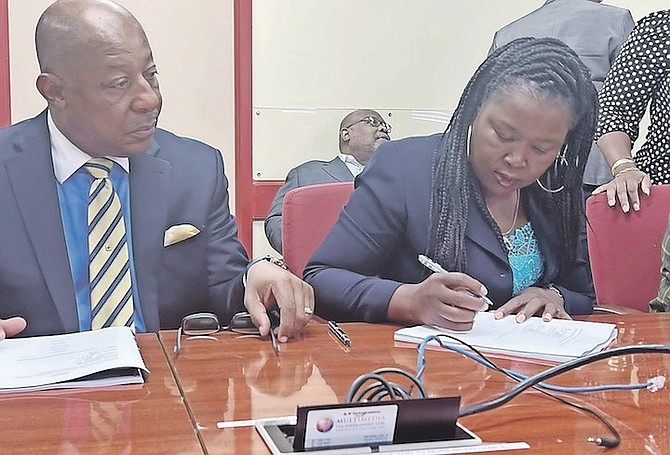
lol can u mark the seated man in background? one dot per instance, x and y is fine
(662, 301)
(596, 33)
(109, 220)
(361, 132)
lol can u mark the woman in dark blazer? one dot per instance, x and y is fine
(495, 200)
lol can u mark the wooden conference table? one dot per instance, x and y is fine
(234, 378)
(143, 419)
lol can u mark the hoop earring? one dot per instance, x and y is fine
(559, 161)
(547, 190)
(467, 142)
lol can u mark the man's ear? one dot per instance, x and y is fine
(51, 88)
(344, 135)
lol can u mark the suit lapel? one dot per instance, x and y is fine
(478, 231)
(338, 170)
(149, 178)
(33, 183)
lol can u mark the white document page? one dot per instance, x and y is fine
(49, 361)
(556, 341)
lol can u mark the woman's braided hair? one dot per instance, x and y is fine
(545, 68)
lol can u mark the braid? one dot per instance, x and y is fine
(546, 68)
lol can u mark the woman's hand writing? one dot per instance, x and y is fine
(446, 300)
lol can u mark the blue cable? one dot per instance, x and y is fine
(421, 365)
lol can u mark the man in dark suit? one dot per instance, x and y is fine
(595, 32)
(361, 132)
(179, 239)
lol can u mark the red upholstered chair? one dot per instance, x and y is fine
(625, 248)
(308, 214)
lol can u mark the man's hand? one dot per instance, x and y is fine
(534, 300)
(12, 326)
(443, 299)
(269, 284)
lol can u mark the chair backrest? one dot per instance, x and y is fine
(625, 248)
(308, 214)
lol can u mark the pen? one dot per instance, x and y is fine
(340, 334)
(437, 268)
(274, 322)
(273, 338)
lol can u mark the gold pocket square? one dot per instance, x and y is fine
(179, 233)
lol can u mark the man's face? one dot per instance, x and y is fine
(111, 98)
(366, 132)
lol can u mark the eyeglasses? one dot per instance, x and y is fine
(374, 122)
(203, 324)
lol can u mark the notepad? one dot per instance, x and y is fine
(556, 341)
(95, 358)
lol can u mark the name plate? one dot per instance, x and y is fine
(376, 423)
(350, 426)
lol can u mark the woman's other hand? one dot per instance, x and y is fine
(534, 300)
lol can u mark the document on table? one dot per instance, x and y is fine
(95, 358)
(556, 341)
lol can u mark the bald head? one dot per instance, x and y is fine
(360, 137)
(69, 29)
(98, 76)
(357, 115)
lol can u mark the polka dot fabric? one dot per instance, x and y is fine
(640, 76)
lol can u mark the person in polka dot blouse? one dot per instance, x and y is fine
(639, 77)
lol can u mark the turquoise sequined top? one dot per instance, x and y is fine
(525, 257)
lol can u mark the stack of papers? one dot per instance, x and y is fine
(559, 340)
(85, 359)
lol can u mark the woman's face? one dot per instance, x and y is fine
(515, 138)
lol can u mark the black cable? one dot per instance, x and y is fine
(604, 442)
(381, 382)
(391, 389)
(559, 369)
(562, 368)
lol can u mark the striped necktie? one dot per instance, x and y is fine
(109, 265)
